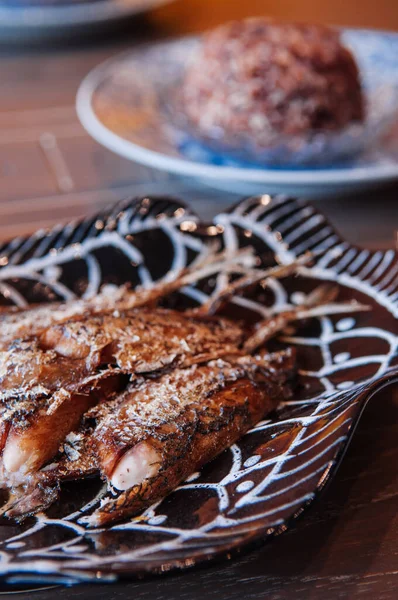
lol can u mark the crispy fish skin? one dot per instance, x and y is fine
(196, 438)
(155, 404)
(164, 432)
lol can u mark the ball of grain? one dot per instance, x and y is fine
(264, 80)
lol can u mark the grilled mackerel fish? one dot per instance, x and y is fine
(164, 432)
(160, 430)
(139, 394)
(75, 355)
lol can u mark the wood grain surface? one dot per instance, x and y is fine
(51, 171)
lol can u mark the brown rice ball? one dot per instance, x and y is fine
(263, 80)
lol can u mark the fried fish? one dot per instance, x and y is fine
(138, 394)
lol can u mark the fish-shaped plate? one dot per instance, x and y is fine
(258, 487)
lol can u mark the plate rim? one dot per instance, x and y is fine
(348, 176)
(73, 14)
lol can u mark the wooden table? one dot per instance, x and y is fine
(51, 171)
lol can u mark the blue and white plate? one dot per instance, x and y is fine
(40, 19)
(130, 105)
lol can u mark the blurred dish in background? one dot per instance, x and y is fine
(21, 20)
(132, 104)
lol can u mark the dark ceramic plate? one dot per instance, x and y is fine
(259, 486)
